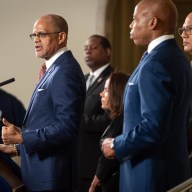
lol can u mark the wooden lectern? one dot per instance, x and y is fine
(11, 177)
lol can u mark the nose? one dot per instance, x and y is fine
(36, 39)
(184, 34)
(101, 94)
(87, 50)
(131, 25)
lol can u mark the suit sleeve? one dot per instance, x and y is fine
(106, 168)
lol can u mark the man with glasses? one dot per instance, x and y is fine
(186, 34)
(47, 142)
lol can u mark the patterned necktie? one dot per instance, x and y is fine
(42, 71)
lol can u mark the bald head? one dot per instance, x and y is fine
(188, 20)
(56, 22)
(166, 13)
(152, 19)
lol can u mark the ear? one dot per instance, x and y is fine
(153, 23)
(62, 37)
(108, 51)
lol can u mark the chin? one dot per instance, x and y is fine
(39, 56)
(187, 49)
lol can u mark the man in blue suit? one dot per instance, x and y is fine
(153, 148)
(48, 140)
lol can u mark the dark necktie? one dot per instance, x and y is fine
(42, 71)
(144, 55)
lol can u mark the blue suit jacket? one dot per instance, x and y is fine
(153, 148)
(50, 128)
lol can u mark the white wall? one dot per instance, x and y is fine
(17, 53)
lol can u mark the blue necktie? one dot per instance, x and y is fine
(144, 55)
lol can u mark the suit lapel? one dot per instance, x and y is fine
(96, 83)
(61, 58)
(39, 85)
(164, 43)
(100, 79)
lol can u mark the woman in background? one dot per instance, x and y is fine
(107, 174)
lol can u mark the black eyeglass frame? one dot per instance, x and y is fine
(187, 30)
(41, 34)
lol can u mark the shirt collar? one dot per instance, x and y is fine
(99, 71)
(157, 41)
(55, 56)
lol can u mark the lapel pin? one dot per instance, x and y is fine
(99, 80)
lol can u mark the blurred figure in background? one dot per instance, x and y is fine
(107, 174)
(12, 109)
(97, 54)
(186, 34)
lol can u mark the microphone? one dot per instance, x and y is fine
(7, 82)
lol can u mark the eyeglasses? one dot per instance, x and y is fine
(187, 30)
(41, 35)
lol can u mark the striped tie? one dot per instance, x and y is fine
(90, 81)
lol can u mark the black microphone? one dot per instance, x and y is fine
(7, 82)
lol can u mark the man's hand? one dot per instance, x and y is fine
(106, 148)
(94, 184)
(9, 149)
(10, 133)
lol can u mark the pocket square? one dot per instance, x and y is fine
(40, 90)
(130, 83)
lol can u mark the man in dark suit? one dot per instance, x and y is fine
(12, 109)
(153, 146)
(97, 54)
(47, 142)
(186, 34)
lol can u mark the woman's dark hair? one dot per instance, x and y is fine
(117, 83)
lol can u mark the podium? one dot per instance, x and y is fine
(10, 172)
(20, 188)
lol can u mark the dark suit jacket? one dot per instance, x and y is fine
(95, 121)
(50, 128)
(108, 169)
(13, 110)
(153, 147)
(4, 186)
